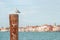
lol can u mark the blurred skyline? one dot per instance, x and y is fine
(33, 12)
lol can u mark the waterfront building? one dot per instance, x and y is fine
(56, 28)
(21, 29)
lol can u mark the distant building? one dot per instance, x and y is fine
(0, 29)
(56, 28)
(47, 27)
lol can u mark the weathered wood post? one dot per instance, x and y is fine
(13, 18)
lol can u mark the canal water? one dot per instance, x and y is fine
(32, 36)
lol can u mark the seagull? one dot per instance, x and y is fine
(17, 11)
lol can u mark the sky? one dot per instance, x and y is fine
(33, 12)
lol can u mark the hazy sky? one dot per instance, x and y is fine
(33, 12)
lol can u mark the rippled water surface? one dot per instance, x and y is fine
(32, 36)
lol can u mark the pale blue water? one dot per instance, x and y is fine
(32, 36)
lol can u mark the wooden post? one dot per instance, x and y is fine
(13, 18)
